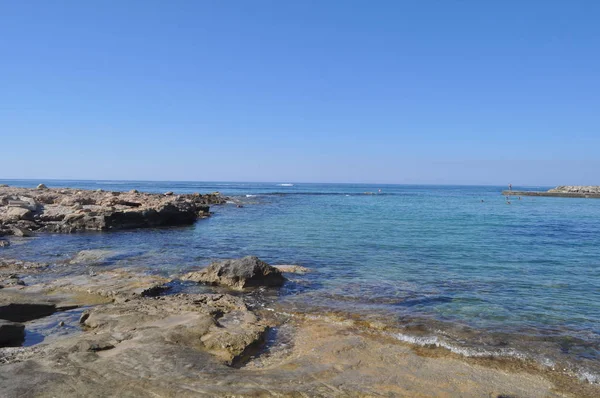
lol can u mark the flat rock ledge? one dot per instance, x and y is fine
(562, 191)
(238, 274)
(24, 210)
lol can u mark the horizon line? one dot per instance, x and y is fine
(271, 182)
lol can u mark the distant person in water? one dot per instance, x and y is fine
(510, 187)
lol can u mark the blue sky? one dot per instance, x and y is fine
(455, 92)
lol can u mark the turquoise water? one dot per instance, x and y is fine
(449, 265)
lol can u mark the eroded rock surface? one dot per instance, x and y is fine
(24, 210)
(240, 273)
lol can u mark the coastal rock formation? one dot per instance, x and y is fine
(24, 210)
(589, 189)
(156, 347)
(240, 273)
(563, 191)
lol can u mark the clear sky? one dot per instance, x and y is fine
(465, 92)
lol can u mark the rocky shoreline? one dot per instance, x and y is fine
(563, 191)
(24, 211)
(73, 328)
(121, 333)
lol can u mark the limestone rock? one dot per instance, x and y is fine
(42, 186)
(18, 213)
(241, 273)
(24, 210)
(581, 189)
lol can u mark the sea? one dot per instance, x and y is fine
(463, 268)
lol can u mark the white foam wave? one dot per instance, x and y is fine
(590, 377)
(583, 375)
(467, 352)
(285, 185)
(250, 196)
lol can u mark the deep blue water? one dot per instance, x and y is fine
(450, 265)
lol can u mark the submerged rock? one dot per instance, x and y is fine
(240, 273)
(292, 269)
(92, 256)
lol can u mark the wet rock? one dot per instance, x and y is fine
(3, 185)
(21, 232)
(11, 280)
(292, 269)
(107, 286)
(11, 333)
(42, 186)
(241, 273)
(93, 256)
(169, 193)
(4, 243)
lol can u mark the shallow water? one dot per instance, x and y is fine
(449, 265)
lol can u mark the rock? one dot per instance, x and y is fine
(42, 186)
(169, 193)
(292, 269)
(3, 185)
(11, 333)
(21, 232)
(12, 280)
(241, 273)
(4, 243)
(217, 323)
(23, 312)
(580, 189)
(18, 213)
(66, 210)
(107, 286)
(92, 257)
(134, 191)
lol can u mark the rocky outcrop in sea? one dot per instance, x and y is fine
(562, 191)
(24, 211)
